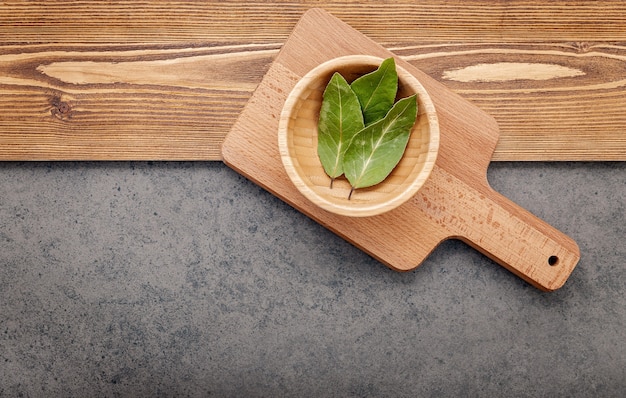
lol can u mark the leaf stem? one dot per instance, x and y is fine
(331, 183)
(350, 194)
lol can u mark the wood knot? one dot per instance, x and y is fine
(63, 107)
(582, 47)
(60, 109)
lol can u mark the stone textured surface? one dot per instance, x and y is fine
(185, 279)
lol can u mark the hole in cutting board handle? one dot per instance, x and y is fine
(553, 260)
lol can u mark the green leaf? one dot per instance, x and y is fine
(377, 91)
(340, 119)
(377, 149)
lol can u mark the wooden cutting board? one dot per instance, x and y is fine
(166, 80)
(456, 201)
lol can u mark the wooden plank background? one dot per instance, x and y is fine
(165, 80)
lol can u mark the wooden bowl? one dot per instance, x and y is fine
(297, 141)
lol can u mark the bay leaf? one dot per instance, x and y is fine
(377, 91)
(340, 119)
(375, 151)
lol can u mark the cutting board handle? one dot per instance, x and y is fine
(502, 230)
(526, 245)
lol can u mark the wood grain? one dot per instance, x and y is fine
(456, 200)
(165, 80)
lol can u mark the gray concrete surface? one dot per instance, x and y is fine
(184, 279)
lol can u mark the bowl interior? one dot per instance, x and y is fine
(298, 143)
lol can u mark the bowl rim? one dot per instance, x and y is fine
(361, 210)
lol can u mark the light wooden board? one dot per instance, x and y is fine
(456, 200)
(165, 80)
